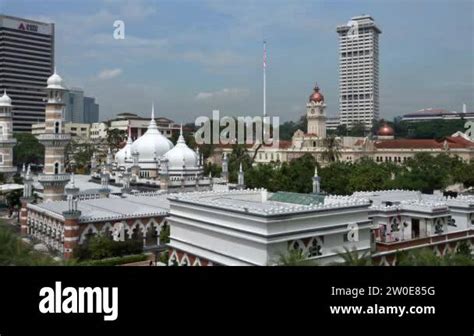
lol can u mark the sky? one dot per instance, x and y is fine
(190, 57)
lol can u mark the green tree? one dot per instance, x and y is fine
(342, 130)
(81, 154)
(425, 173)
(368, 175)
(165, 234)
(13, 252)
(335, 178)
(357, 129)
(354, 258)
(27, 150)
(239, 155)
(115, 138)
(418, 257)
(332, 149)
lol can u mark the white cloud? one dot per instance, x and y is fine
(109, 73)
(224, 93)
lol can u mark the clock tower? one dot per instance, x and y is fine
(316, 115)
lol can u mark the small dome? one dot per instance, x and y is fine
(386, 130)
(152, 144)
(55, 81)
(316, 96)
(5, 100)
(181, 155)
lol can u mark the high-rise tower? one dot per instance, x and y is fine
(27, 58)
(6, 137)
(54, 177)
(359, 71)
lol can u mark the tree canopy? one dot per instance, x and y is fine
(27, 150)
(424, 172)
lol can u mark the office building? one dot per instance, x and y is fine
(26, 62)
(91, 110)
(79, 108)
(359, 71)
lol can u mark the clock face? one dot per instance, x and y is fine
(313, 111)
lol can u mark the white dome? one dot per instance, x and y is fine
(151, 144)
(55, 81)
(181, 155)
(124, 153)
(5, 100)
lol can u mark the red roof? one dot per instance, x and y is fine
(453, 142)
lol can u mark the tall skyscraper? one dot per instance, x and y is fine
(359, 71)
(79, 108)
(26, 62)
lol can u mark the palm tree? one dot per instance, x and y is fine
(294, 258)
(353, 258)
(419, 257)
(13, 252)
(332, 150)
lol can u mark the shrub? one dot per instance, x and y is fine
(115, 260)
(100, 247)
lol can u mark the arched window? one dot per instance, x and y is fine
(1, 159)
(56, 127)
(56, 168)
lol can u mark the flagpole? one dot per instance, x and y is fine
(264, 86)
(264, 78)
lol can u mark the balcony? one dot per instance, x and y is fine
(417, 242)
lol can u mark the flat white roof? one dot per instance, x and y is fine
(109, 209)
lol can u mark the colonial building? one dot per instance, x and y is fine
(380, 148)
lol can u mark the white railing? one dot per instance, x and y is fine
(53, 178)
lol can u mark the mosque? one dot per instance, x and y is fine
(153, 160)
(214, 223)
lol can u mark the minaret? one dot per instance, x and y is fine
(71, 226)
(135, 169)
(27, 198)
(225, 168)
(240, 179)
(93, 163)
(71, 188)
(316, 115)
(316, 182)
(54, 178)
(109, 161)
(164, 174)
(6, 137)
(126, 181)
